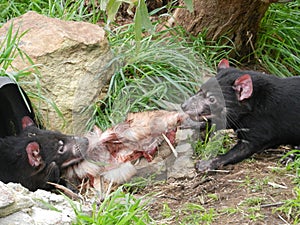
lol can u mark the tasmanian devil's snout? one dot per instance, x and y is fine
(197, 107)
(207, 103)
(72, 150)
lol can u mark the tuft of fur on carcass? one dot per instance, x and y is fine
(99, 162)
(111, 152)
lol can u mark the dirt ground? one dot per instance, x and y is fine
(246, 193)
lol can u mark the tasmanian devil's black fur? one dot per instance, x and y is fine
(264, 110)
(37, 156)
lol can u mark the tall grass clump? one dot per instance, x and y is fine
(9, 50)
(278, 46)
(294, 165)
(291, 207)
(160, 72)
(79, 10)
(212, 51)
(116, 209)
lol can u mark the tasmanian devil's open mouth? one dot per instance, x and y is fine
(71, 162)
(199, 117)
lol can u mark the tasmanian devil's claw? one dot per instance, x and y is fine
(204, 165)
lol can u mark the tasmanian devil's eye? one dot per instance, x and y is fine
(60, 146)
(212, 99)
(31, 134)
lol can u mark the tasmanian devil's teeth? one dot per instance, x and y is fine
(204, 118)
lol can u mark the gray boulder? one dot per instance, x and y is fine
(20, 206)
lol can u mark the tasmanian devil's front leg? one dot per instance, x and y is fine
(239, 152)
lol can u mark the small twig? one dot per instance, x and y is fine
(82, 185)
(204, 118)
(169, 197)
(236, 181)
(109, 188)
(272, 204)
(276, 185)
(66, 191)
(280, 217)
(201, 182)
(219, 171)
(171, 146)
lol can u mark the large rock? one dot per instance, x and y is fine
(20, 206)
(71, 58)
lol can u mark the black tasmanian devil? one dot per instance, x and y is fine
(264, 111)
(37, 156)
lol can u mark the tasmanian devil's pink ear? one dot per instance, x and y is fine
(243, 87)
(33, 154)
(27, 121)
(223, 64)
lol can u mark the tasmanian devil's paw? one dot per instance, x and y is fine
(205, 165)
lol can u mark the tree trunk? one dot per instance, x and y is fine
(238, 20)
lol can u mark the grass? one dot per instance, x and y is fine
(119, 208)
(254, 214)
(197, 214)
(291, 208)
(9, 47)
(253, 201)
(212, 51)
(80, 10)
(253, 184)
(278, 46)
(230, 210)
(295, 164)
(212, 144)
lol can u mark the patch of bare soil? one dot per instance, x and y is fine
(246, 193)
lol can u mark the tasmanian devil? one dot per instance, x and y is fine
(264, 111)
(37, 156)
